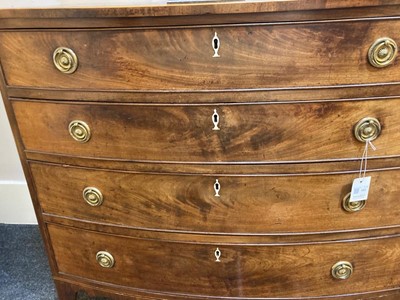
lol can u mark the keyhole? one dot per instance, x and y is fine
(217, 254)
(217, 188)
(215, 44)
(215, 120)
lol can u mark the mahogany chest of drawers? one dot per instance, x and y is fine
(208, 150)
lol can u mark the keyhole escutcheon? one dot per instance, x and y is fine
(217, 188)
(217, 254)
(216, 44)
(215, 120)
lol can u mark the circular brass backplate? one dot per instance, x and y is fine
(352, 206)
(342, 270)
(80, 131)
(367, 129)
(382, 52)
(65, 60)
(105, 259)
(93, 196)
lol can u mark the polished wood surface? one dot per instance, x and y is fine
(48, 20)
(247, 204)
(292, 80)
(71, 288)
(311, 131)
(265, 270)
(182, 59)
(99, 4)
(349, 93)
(141, 8)
(220, 168)
(25, 168)
(226, 238)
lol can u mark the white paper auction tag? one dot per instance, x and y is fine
(360, 189)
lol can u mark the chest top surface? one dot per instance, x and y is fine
(152, 8)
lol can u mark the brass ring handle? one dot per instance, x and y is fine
(93, 196)
(367, 129)
(352, 206)
(80, 131)
(342, 270)
(65, 60)
(105, 259)
(382, 52)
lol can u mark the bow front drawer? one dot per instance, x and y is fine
(241, 270)
(218, 204)
(207, 133)
(204, 58)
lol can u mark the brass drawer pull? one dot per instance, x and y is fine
(105, 259)
(93, 196)
(342, 270)
(352, 206)
(382, 52)
(367, 129)
(79, 131)
(65, 60)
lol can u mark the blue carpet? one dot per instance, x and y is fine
(24, 268)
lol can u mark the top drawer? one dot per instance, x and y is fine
(248, 56)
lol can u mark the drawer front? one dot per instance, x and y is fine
(270, 132)
(245, 204)
(264, 56)
(227, 270)
(103, 293)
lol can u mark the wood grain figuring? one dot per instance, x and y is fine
(291, 82)
(244, 271)
(238, 17)
(226, 238)
(275, 56)
(144, 8)
(102, 5)
(319, 167)
(69, 288)
(247, 204)
(25, 168)
(184, 133)
(357, 92)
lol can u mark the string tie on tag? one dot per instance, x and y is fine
(364, 158)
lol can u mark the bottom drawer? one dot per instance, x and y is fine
(79, 291)
(237, 270)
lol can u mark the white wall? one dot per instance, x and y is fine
(15, 202)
